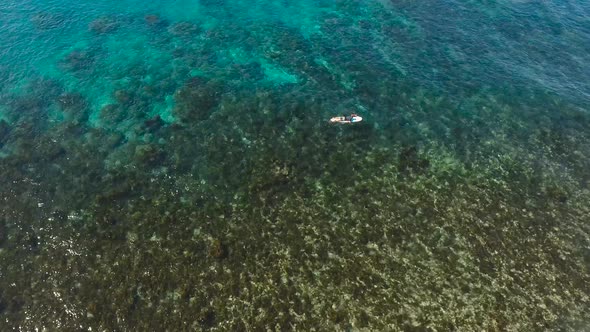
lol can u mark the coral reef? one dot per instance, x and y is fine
(183, 176)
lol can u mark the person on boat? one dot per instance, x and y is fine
(346, 118)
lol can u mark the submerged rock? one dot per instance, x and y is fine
(71, 101)
(78, 60)
(154, 21)
(217, 249)
(49, 150)
(250, 71)
(112, 114)
(104, 25)
(411, 162)
(47, 21)
(29, 241)
(123, 97)
(153, 124)
(43, 89)
(207, 319)
(148, 154)
(113, 140)
(74, 106)
(3, 233)
(197, 99)
(4, 132)
(184, 29)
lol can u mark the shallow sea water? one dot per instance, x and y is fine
(168, 165)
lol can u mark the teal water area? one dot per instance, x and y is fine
(169, 165)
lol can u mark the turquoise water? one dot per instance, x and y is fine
(169, 165)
